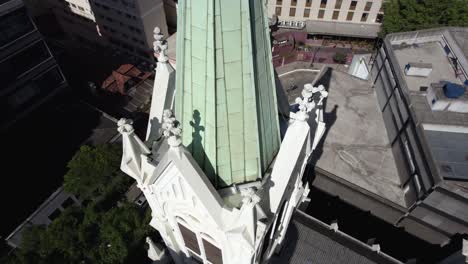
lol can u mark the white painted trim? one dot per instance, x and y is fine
(446, 128)
(298, 70)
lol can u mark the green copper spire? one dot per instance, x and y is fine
(225, 97)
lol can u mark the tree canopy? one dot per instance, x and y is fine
(105, 229)
(87, 236)
(95, 171)
(409, 15)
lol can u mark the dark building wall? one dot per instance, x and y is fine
(29, 72)
(411, 162)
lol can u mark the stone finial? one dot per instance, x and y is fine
(311, 97)
(249, 196)
(334, 226)
(171, 129)
(125, 126)
(160, 45)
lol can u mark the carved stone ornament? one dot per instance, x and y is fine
(160, 45)
(125, 126)
(171, 129)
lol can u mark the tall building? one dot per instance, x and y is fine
(223, 182)
(126, 26)
(29, 72)
(357, 18)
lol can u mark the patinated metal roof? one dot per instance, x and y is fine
(225, 98)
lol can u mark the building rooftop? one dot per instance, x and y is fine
(356, 147)
(429, 53)
(444, 119)
(342, 29)
(461, 38)
(327, 246)
(124, 78)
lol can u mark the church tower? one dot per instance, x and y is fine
(226, 100)
(221, 182)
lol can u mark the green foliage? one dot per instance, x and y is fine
(339, 57)
(409, 15)
(94, 172)
(105, 230)
(87, 236)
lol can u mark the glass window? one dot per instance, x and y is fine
(392, 130)
(14, 25)
(401, 161)
(306, 12)
(50, 80)
(279, 2)
(401, 105)
(292, 12)
(278, 11)
(22, 95)
(338, 4)
(394, 107)
(335, 15)
(36, 88)
(23, 61)
(350, 15)
(56, 213)
(190, 239)
(323, 3)
(308, 3)
(368, 6)
(293, 2)
(364, 17)
(353, 5)
(418, 158)
(212, 252)
(379, 18)
(321, 13)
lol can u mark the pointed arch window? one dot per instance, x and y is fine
(190, 239)
(213, 253)
(201, 247)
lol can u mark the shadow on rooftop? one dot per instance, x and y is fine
(324, 78)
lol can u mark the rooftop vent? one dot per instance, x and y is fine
(418, 69)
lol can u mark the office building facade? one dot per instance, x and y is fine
(358, 18)
(30, 74)
(125, 26)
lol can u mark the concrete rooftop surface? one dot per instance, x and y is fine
(327, 246)
(355, 147)
(430, 52)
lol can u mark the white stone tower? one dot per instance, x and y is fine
(221, 183)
